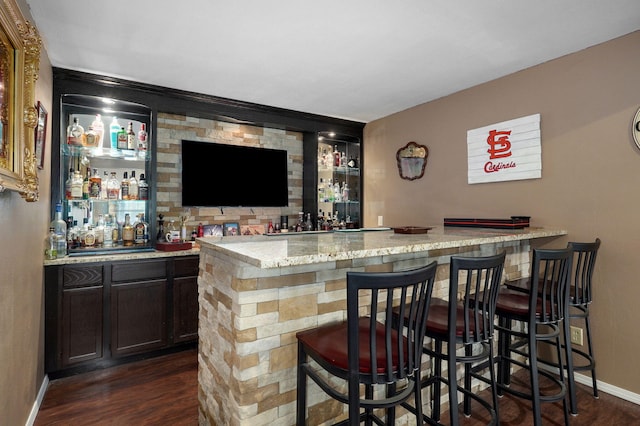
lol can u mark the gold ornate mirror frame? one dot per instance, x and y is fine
(412, 160)
(19, 67)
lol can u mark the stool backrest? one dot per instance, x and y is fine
(478, 280)
(584, 260)
(383, 354)
(550, 278)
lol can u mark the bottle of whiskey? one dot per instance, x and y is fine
(128, 234)
(99, 231)
(142, 141)
(98, 127)
(131, 137)
(336, 156)
(95, 185)
(76, 185)
(143, 188)
(140, 230)
(113, 187)
(133, 186)
(75, 133)
(67, 185)
(85, 185)
(124, 187)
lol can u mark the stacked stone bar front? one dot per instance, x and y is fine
(249, 315)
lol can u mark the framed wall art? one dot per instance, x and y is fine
(19, 67)
(41, 134)
(231, 229)
(213, 230)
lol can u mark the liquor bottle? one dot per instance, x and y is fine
(91, 138)
(108, 231)
(76, 185)
(300, 222)
(337, 194)
(114, 128)
(124, 187)
(90, 237)
(308, 225)
(140, 230)
(127, 231)
(321, 191)
(73, 236)
(336, 156)
(343, 160)
(85, 185)
(200, 230)
(345, 192)
(113, 187)
(98, 127)
(131, 137)
(99, 231)
(329, 195)
(143, 188)
(70, 234)
(95, 185)
(122, 139)
(75, 133)
(67, 186)
(83, 232)
(51, 245)
(103, 186)
(183, 230)
(133, 186)
(60, 228)
(270, 229)
(142, 141)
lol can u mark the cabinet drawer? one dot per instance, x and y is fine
(187, 267)
(76, 276)
(138, 271)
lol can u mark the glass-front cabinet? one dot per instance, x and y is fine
(105, 174)
(338, 179)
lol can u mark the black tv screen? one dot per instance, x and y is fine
(219, 175)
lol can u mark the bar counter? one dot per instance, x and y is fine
(256, 292)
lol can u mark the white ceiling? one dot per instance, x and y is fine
(353, 59)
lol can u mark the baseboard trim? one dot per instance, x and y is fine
(38, 402)
(607, 388)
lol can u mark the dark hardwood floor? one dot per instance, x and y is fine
(163, 391)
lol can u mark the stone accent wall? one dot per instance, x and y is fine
(172, 129)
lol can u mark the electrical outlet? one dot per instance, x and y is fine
(380, 220)
(576, 335)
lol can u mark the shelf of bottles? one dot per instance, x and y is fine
(104, 170)
(338, 180)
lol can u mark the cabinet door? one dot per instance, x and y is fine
(81, 324)
(138, 317)
(185, 300)
(138, 306)
(82, 314)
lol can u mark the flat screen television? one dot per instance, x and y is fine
(219, 175)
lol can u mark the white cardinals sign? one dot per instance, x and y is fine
(505, 151)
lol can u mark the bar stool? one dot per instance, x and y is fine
(477, 280)
(474, 283)
(580, 297)
(542, 314)
(370, 350)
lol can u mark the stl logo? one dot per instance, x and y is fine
(499, 143)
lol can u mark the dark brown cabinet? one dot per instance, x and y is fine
(104, 313)
(185, 300)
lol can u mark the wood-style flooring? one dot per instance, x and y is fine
(163, 391)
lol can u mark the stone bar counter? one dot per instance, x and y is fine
(256, 292)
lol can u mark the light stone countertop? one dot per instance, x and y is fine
(292, 249)
(114, 257)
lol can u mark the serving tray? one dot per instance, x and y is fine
(515, 222)
(411, 230)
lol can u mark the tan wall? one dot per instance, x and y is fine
(590, 174)
(24, 226)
